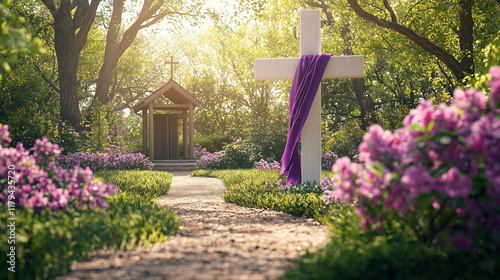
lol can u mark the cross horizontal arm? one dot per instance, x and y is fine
(338, 67)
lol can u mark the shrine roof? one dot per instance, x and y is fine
(173, 92)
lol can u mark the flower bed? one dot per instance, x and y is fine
(63, 214)
(35, 181)
(439, 174)
(100, 161)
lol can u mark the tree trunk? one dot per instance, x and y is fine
(466, 36)
(67, 61)
(365, 101)
(110, 56)
(116, 48)
(68, 84)
(366, 104)
(72, 23)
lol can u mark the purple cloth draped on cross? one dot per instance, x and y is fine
(305, 84)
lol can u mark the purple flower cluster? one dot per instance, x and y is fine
(112, 161)
(440, 172)
(206, 159)
(263, 164)
(306, 187)
(327, 160)
(40, 183)
(494, 84)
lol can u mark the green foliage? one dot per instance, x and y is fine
(130, 132)
(14, 39)
(30, 108)
(492, 58)
(30, 123)
(246, 188)
(238, 155)
(47, 244)
(345, 142)
(269, 138)
(99, 129)
(212, 87)
(139, 183)
(212, 143)
(109, 132)
(391, 254)
(393, 119)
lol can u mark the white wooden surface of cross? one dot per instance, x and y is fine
(284, 69)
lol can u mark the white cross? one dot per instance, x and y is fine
(284, 69)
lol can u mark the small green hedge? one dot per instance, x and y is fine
(354, 254)
(246, 188)
(49, 242)
(142, 183)
(212, 143)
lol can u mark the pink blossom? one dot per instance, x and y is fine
(445, 157)
(494, 84)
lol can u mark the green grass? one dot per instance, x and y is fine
(246, 188)
(47, 243)
(139, 183)
(353, 254)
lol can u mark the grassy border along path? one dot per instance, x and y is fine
(246, 188)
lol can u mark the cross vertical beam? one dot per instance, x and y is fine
(310, 43)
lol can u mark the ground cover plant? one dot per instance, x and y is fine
(264, 189)
(63, 215)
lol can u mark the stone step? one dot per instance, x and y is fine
(174, 161)
(174, 165)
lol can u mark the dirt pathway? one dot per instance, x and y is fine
(217, 240)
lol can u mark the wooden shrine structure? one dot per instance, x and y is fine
(160, 131)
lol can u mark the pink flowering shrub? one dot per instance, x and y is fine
(327, 160)
(40, 183)
(208, 160)
(115, 160)
(439, 174)
(303, 188)
(268, 165)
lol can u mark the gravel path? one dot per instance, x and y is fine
(217, 240)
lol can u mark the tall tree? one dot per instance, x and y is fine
(408, 23)
(118, 41)
(72, 23)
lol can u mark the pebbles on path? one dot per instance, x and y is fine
(217, 240)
